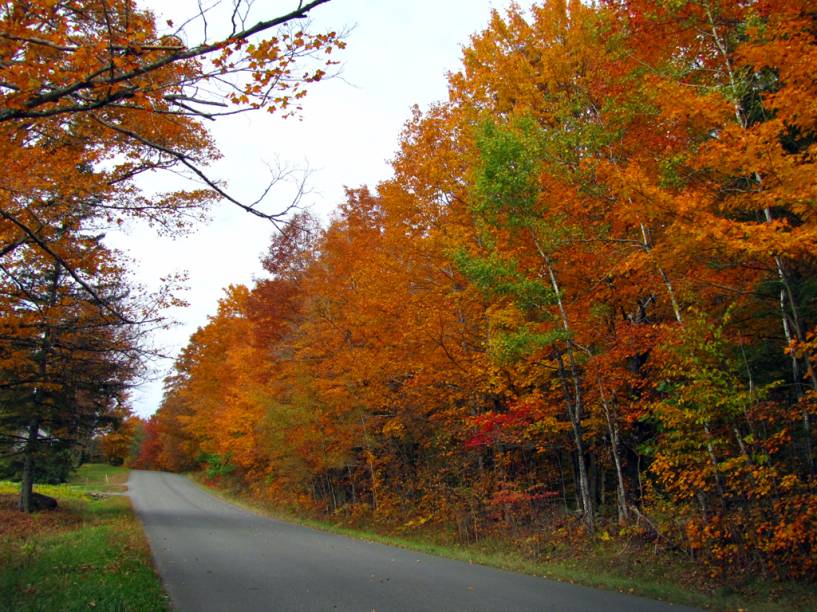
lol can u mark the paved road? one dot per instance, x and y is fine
(216, 556)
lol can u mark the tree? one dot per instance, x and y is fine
(117, 444)
(68, 359)
(93, 96)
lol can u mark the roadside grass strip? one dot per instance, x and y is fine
(90, 553)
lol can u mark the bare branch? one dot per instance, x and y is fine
(93, 81)
(274, 218)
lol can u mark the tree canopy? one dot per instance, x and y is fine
(94, 95)
(588, 288)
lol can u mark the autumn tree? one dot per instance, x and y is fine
(92, 97)
(117, 444)
(69, 359)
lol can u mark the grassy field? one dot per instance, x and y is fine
(89, 554)
(628, 566)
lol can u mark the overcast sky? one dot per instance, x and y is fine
(398, 55)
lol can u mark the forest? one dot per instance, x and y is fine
(582, 308)
(585, 302)
(96, 99)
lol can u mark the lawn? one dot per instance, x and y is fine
(90, 553)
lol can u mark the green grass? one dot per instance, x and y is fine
(89, 554)
(613, 565)
(100, 477)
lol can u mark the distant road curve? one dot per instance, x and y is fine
(214, 556)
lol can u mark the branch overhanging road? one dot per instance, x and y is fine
(214, 556)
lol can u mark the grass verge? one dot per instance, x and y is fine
(624, 566)
(90, 553)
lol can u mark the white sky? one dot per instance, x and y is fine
(398, 55)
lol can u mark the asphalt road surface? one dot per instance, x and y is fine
(214, 556)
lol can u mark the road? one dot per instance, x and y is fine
(214, 556)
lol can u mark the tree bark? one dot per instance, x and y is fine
(27, 483)
(574, 400)
(32, 438)
(612, 427)
(583, 495)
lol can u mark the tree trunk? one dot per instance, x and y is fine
(352, 483)
(646, 243)
(787, 295)
(575, 405)
(583, 493)
(332, 492)
(563, 487)
(713, 459)
(27, 484)
(612, 427)
(370, 462)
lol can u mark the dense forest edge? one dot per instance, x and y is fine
(578, 322)
(583, 307)
(95, 97)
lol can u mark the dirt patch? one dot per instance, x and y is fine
(16, 524)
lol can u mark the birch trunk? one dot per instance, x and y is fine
(574, 401)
